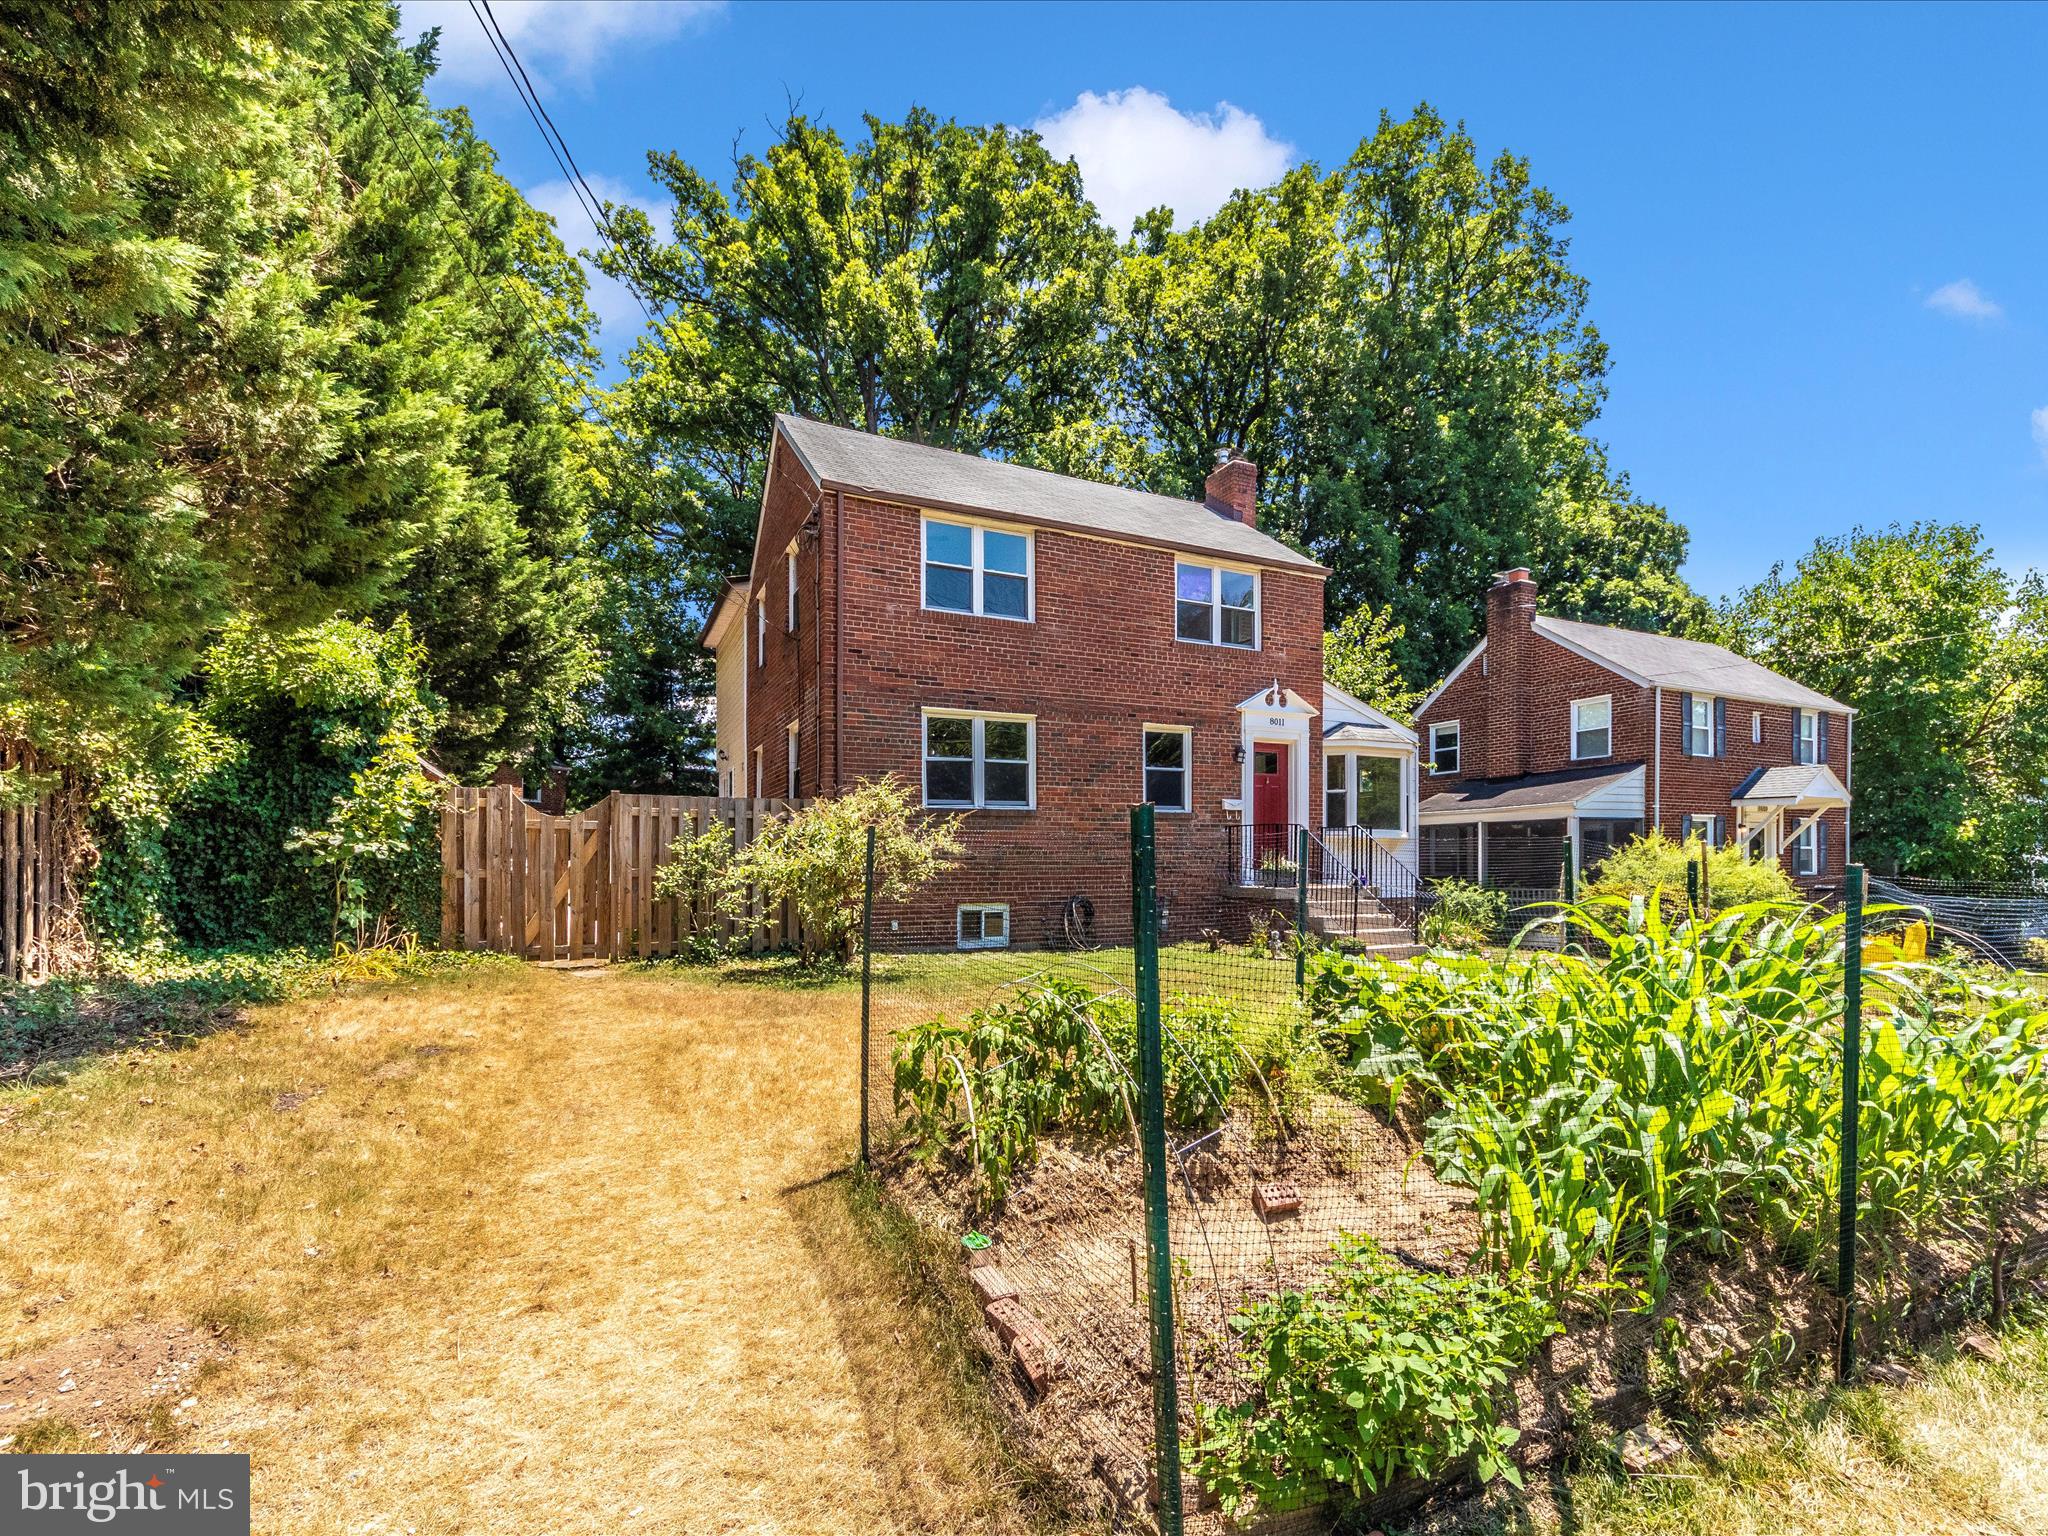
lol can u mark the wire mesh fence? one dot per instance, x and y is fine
(1519, 1183)
(2007, 918)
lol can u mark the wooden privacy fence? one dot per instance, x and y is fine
(35, 888)
(581, 886)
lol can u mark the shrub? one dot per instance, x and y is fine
(815, 859)
(1461, 915)
(696, 874)
(1374, 1373)
(1655, 862)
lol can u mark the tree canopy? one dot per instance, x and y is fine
(1945, 659)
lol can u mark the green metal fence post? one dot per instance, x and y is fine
(1571, 872)
(867, 984)
(1300, 908)
(1852, 1092)
(1692, 889)
(1158, 1233)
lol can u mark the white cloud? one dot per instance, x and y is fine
(1136, 152)
(1965, 300)
(618, 312)
(2040, 419)
(559, 41)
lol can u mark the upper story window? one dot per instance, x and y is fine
(1215, 605)
(979, 760)
(1592, 727)
(1443, 747)
(789, 595)
(760, 628)
(1361, 790)
(1699, 726)
(972, 569)
(1756, 726)
(1806, 736)
(1166, 766)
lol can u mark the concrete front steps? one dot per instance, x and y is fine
(1363, 925)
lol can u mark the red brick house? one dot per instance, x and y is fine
(1553, 732)
(1037, 652)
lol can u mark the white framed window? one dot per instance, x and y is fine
(1216, 605)
(975, 761)
(760, 768)
(1592, 727)
(1443, 747)
(1169, 760)
(760, 628)
(1699, 727)
(1707, 828)
(970, 568)
(1806, 736)
(982, 925)
(1756, 727)
(1806, 850)
(1361, 789)
(793, 759)
(789, 611)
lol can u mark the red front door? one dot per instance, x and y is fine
(1269, 786)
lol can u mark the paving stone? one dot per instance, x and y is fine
(1281, 1197)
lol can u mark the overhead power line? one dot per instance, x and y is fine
(558, 149)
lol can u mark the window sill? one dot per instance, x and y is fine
(969, 613)
(1217, 645)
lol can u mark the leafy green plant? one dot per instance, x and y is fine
(815, 859)
(1374, 1373)
(696, 875)
(1679, 1084)
(1058, 1055)
(1461, 915)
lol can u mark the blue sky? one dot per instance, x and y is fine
(1817, 238)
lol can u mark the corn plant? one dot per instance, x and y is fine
(1668, 1084)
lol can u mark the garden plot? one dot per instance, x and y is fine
(1589, 1185)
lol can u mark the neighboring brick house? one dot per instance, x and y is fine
(1039, 652)
(1553, 732)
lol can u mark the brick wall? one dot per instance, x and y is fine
(794, 679)
(1099, 662)
(1547, 677)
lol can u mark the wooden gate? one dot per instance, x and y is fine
(581, 886)
(35, 889)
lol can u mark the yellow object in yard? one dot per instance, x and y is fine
(1909, 943)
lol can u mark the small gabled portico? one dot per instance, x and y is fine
(1777, 808)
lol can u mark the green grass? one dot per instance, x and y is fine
(1963, 1449)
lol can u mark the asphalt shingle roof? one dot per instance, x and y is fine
(897, 470)
(1694, 665)
(1568, 786)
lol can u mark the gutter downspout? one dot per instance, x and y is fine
(838, 643)
(1848, 781)
(1657, 754)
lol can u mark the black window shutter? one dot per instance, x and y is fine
(1820, 846)
(1685, 725)
(1720, 727)
(1823, 728)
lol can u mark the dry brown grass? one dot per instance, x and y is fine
(517, 1251)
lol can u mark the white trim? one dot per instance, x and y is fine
(1216, 568)
(977, 566)
(1657, 753)
(1455, 727)
(1285, 718)
(1606, 702)
(980, 718)
(1349, 703)
(793, 732)
(760, 767)
(789, 593)
(1186, 733)
(960, 939)
(1450, 677)
(1349, 757)
(761, 628)
(1756, 727)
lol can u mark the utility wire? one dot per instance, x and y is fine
(558, 148)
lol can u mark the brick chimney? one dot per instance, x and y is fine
(1232, 490)
(1510, 636)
